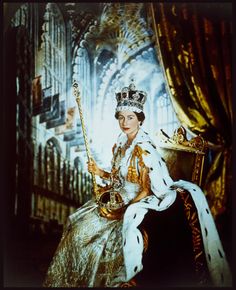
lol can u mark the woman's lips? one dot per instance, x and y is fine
(126, 129)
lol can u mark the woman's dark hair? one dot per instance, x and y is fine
(140, 116)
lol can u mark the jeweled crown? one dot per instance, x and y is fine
(130, 99)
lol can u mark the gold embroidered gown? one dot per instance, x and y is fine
(98, 252)
(90, 253)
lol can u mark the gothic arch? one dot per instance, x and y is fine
(54, 143)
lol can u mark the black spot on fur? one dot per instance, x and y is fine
(209, 257)
(147, 151)
(164, 181)
(162, 159)
(206, 232)
(207, 210)
(134, 216)
(135, 269)
(138, 239)
(151, 168)
(153, 146)
(220, 253)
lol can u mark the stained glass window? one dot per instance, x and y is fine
(54, 46)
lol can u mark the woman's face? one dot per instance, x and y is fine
(128, 122)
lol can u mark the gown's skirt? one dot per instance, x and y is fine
(90, 252)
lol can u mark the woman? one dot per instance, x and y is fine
(99, 249)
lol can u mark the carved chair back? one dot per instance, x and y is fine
(184, 158)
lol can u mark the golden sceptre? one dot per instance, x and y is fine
(78, 99)
(110, 203)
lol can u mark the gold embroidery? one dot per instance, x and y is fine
(92, 241)
(192, 218)
(105, 175)
(130, 283)
(137, 156)
(113, 148)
